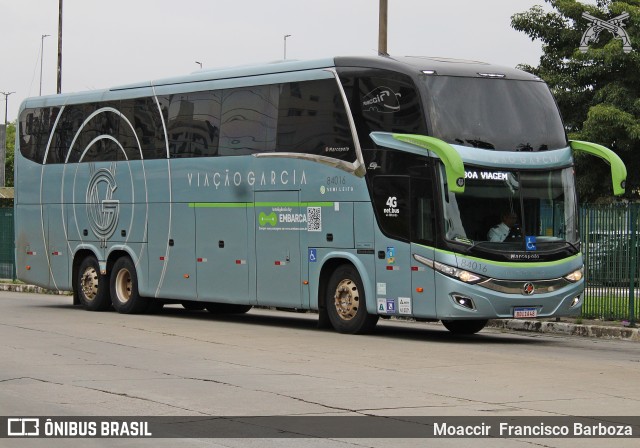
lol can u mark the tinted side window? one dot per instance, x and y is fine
(194, 124)
(94, 143)
(35, 128)
(422, 207)
(249, 120)
(392, 207)
(141, 114)
(383, 101)
(68, 125)
(312, 119)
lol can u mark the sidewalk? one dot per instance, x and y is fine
(567, 326)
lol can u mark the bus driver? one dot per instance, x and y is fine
(499, 232)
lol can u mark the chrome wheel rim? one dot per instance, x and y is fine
(347, 299)
(89, 283)
(123, 285)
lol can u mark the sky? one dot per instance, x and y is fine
(113, 42)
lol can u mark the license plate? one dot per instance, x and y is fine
(524, 313)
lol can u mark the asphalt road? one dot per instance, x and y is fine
(56, 359)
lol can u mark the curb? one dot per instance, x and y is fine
(567, 329)
(13, 287)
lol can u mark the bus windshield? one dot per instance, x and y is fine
(495, 114)
(505, 210)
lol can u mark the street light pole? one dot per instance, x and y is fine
(200, 64)
(6, 102)
(285, 45)
(41, 58)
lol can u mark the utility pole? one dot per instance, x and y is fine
(285, 45)
(41, 58)
(59, 89)
(3, 142)
(382, 28)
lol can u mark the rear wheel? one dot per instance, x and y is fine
(124, 288)
(91, 287)
(464, 326)
(346, 303)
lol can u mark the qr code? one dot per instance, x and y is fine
(314, 219)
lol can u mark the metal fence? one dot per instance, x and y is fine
(7, 253)
(611, 249)
(610, 244)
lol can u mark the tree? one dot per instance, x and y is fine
(598, 91)
(11, 144)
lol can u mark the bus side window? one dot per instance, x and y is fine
(90, 146)
(422, 211)
(382, 101)
(194, 124)
(312, 119)
(27, 137)
(249, 120)
(35, 132)
(148, 127)
(391, 200)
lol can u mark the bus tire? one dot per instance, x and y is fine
(226, 308)
(92, 287)
(346, 302)
(124, 288)
(464, 326)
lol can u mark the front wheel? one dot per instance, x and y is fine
(464, 326)
(124, 288)
(346, 303)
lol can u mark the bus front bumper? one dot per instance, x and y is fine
(464, 301)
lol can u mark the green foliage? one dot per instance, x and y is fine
(11, 144)
(598, 92)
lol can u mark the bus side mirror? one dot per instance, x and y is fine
(417, 144)
(618, 170)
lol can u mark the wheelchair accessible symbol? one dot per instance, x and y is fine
(531, 242)
(313, 256)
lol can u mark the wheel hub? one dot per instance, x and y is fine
(123, 285)
(347, 299)
(89, 283)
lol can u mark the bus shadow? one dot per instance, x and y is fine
(385, 329)
(388, 329)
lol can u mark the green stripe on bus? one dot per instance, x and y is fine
(530, 264)
(258, 204)
(219, 205)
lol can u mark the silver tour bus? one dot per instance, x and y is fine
(358, 187)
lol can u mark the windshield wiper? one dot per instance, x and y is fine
(572, 245)
(477, 143)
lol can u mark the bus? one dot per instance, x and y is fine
(357, 187)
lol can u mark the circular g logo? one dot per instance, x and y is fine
(102, 209)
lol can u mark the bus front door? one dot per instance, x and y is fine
(279, 219)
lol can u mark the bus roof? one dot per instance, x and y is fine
(410, 65)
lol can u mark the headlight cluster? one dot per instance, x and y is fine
(450, 271)
(576, 275)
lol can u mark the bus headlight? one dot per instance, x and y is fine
(576, 275)
(450, 271)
